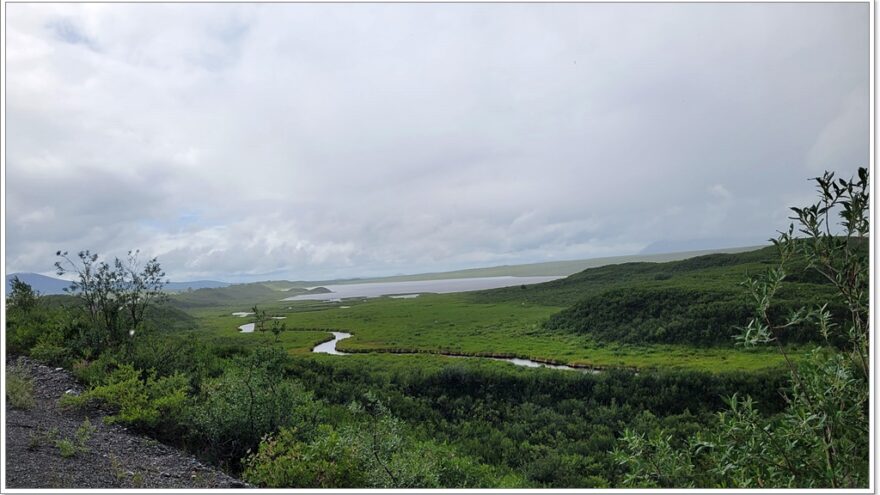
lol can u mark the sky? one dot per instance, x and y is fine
(306, 142)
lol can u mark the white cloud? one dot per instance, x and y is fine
(720, 192)
(310, 141)
(845, 137)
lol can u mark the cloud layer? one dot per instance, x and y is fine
(304, 141)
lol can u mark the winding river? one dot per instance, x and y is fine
(329, 347)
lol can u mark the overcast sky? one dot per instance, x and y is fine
(300, 141)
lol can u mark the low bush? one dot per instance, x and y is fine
(50, 348)
(96, 371)
(19, 390)
(283, 460)
(145, 402)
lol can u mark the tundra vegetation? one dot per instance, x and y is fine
(727, 370)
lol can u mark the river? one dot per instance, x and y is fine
(329, 347)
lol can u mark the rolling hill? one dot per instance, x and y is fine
(696, 301)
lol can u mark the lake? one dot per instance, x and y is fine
(410, 288)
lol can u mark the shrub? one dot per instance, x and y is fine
(249, 400)
(116, 295)
(821, 438)
(23, 329)
(283, 460)
(19, 390)
(168, 354)
(97, 371)
(66, 447)
(376, 450)
(41, 437)
(147, 403)
(50, 348)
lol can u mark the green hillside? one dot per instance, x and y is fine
(697, 301)
(238, 295)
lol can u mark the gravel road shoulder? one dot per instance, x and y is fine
(113, 457)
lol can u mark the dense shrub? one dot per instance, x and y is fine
(168, 353)
(376, 450)
(520, 423)
(676, 315)
(141, 400)
(249, 400)
(283, 460)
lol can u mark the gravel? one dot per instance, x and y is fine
(114, 457)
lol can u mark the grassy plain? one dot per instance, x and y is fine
(453, 323)
(671, 315)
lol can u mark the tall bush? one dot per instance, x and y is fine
(821, 439)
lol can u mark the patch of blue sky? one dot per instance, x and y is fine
(66, 30)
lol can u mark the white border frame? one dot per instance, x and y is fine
(872, 283)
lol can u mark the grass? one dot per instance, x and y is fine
(41, 437)
(388, 365)
(69, 447)
(512, 322)
(453, 323)
(219, 327)
(714, 273)
(118, 469)
(19, 390)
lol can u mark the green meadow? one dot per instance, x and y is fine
(680, 314)
(454, 324)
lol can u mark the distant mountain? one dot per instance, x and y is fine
(232, 295)
(50, 285)
(195, 285)
(40, 283)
